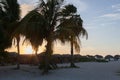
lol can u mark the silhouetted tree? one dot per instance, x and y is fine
(71, 29)
(42, 24)
(5, 41)
(10, 13)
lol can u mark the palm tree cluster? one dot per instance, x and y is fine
(51, 20)
(9, 18)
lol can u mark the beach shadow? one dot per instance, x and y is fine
(118, 73)
(64, 67)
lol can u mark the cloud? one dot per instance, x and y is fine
(26, 5)
(81, 6)
(116, 7)
(111, 16)
(25, 8)
(27, 1)
(89, 26)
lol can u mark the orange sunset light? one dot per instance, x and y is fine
(28, 50)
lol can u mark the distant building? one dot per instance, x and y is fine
(99, 57)
(109, 58)
(90, 56)
(116, 57)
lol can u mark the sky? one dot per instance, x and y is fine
(101, 20)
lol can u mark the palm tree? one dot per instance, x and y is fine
(32, 28)
(71, 30)
(41, 24)
(55, 14)
(10, 19)
(14, 13)
(5, 41)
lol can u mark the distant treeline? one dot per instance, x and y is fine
(11, 58)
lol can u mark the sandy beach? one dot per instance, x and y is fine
(87, 71)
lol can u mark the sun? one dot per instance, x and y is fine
(28, 50)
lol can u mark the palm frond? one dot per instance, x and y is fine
(71, 27)
(33, 27)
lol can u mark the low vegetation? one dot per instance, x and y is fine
(10, 58)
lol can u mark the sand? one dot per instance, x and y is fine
(87, 71)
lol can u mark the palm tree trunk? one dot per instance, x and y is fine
(46, 68)
(72, 55)
(37, 58)
(48, 53)
(18, 50)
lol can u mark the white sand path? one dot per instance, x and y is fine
(87, 71)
